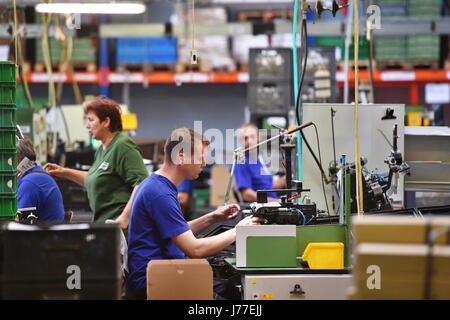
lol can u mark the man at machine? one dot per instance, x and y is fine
(254, 174)
(158, 229)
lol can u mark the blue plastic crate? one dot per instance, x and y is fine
(163, 50)
(146, 50)
(131, 50)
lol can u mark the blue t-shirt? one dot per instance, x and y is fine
(255, 176)
(186, 186)
(37, 189)
(155, 218)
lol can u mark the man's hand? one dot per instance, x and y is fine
(250, 221)
(225, 213)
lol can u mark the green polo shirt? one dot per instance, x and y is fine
(112, 177)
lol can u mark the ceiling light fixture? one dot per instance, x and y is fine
(91, 8)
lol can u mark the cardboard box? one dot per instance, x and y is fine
(402, 271)
(220, 175)
(184, 279)
(398, 229)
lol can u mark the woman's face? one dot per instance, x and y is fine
(95, 127)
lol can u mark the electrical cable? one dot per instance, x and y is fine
(359, 191)
(323, 178)
(305, 61)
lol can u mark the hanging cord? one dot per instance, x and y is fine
(63, 60)
(194, 55)
(359, 194)
(193, 24)
(19, 58)
(76, 88)
(370, 49)
(47, 60)
(15, 32)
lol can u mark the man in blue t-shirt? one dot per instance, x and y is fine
(36, 188)
(254, 175)
(157, 227)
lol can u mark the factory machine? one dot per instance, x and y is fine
(303, 251)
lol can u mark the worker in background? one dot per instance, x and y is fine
(36, 188)
(158, 229)
(254, 174)
(185, 191)
(118, 167)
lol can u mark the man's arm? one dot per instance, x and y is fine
(201, 223)
(221, 214)
(204, 247)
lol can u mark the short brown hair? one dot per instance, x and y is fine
(25, 148)
(181, 135)
(249, 124)
(106, 108)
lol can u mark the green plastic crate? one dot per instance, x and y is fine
(339, 42)
(8, 208)
(8, 183)
(7, 94)
(7, 72)
(201, 198)
(423, 48)
(424, 8)
(83, 50)
(8, 117)
(8, 161)
(7, 139)
(390, 48)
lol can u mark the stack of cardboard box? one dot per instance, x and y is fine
(401, 258)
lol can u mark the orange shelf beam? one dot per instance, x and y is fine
(380, 77)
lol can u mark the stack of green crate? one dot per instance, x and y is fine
(390, 48)
(393, 8)
(424, 8)
(423, 47)
(8, 160)
(83, 50)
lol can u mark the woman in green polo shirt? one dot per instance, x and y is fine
(118, 167)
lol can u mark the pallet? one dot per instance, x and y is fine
(146, 67)
(201, 67)
(408, 65)
(265, 16)
(64, 67)
(362, 64)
